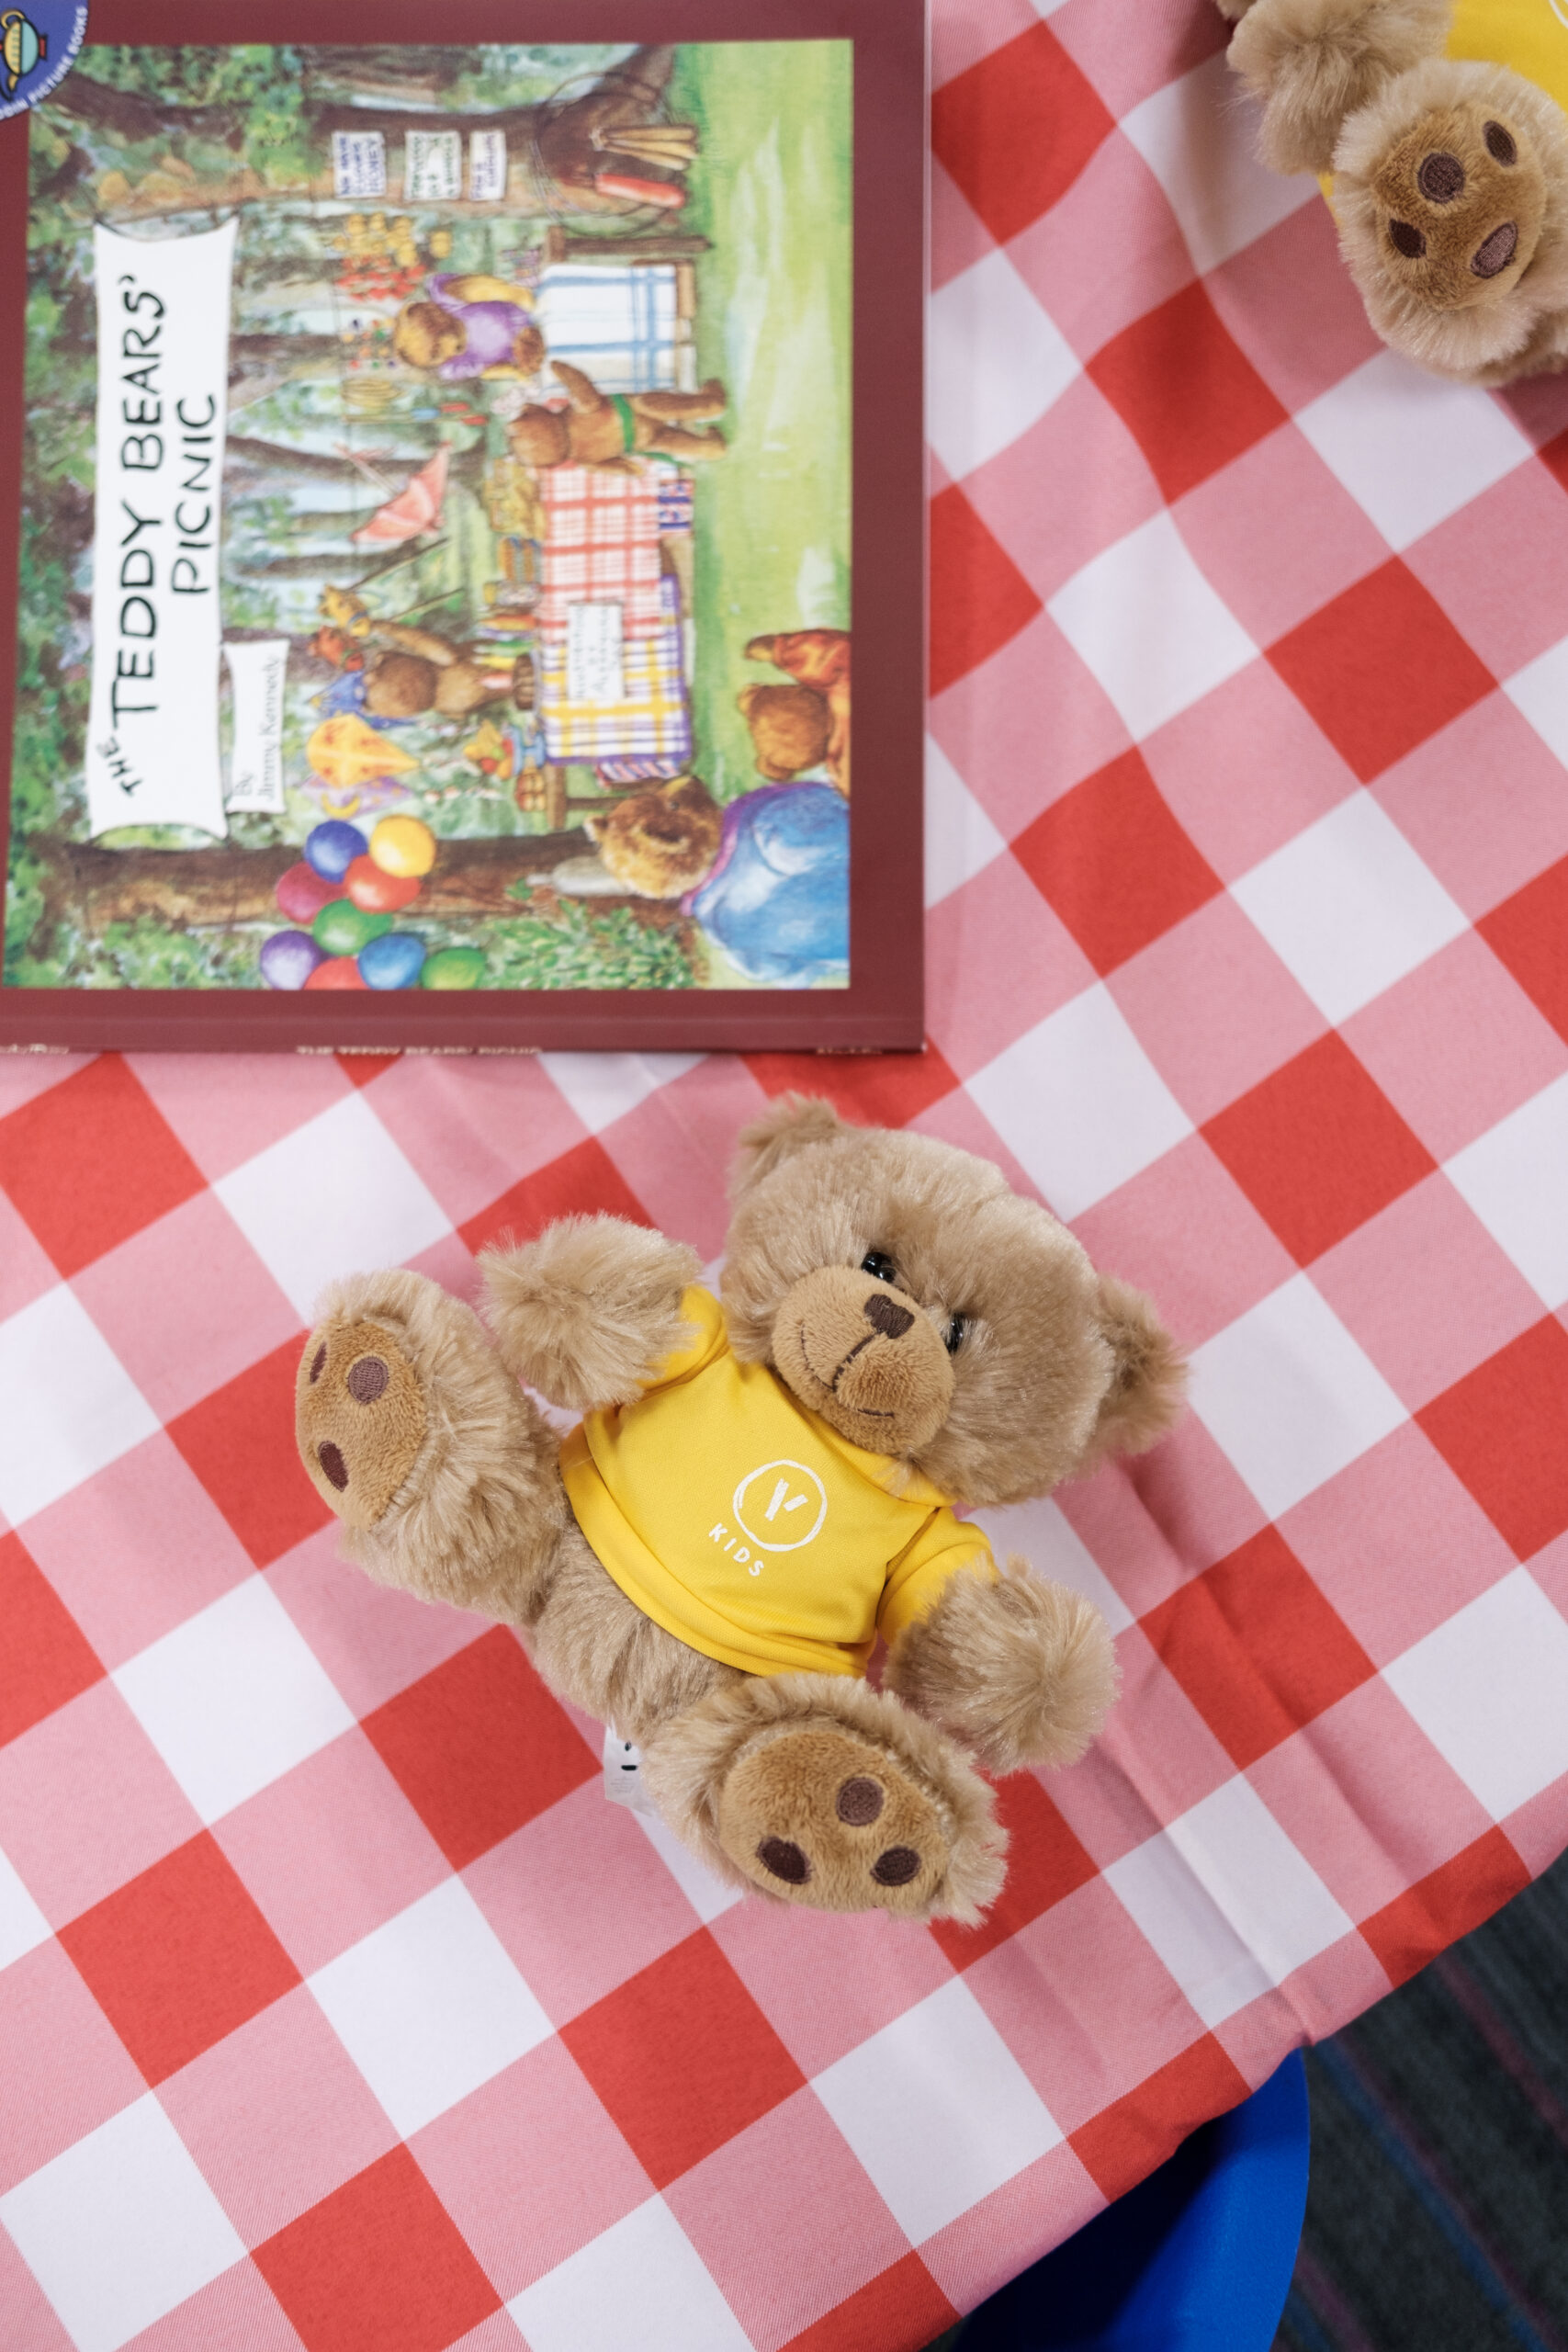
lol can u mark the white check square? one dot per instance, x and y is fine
(1349, 907)
(430, 2006)
(961, 840)
(1489, 1688)
(1054, 1548)
(640, 2283)
(335, 1197)
(1080, 1104)
(602, 1088)
(1144, 620)
(22, 1924)
(234, 1698)
(71, 1407)
(1289, 1396)
(1410, 448)
(1540, 693)
(1515, 1177)
(995, 363)
(1279, 1907)
(121, 2228)
(938, 2110)
(1175, 1914)
(1199, 137)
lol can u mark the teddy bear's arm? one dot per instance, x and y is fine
(585, 1313)
(1313, 63)
(1021, 1670)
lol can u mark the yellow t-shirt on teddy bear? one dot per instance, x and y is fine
(746, 1527)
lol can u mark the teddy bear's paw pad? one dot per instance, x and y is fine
(831, 1822)
(360, 1417)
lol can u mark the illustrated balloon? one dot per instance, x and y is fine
(302, 893)
(337, 972)
(288, 958)
(331, 848)
(343, 929)
(392, 961)
(453, 967)
(402, 845)
(379, 893)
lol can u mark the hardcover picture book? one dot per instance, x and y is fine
(463, 513)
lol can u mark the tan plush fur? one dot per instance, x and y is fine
(907, 1297)
(1451, 177)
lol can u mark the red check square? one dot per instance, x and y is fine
(377, 2266)
(478, 1747)
(1257, 1647)
(584, 1181)
(983, 600)
(240, 1442)
(1529, 933)
(45, 1659)
(1423, 1921)
(1500, 1430)
(904, 2305)
(1317, 1149)
(1114, 862)
(1380, 669)
(1045, 1862)
(1016, 129)
(876, 1090)
(1188, 393)
(1125, 2141)
(91, 1162)
(178, 1958)
(683, 2058)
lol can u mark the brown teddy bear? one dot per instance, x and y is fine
(416, 670)
(804, 725)
(605, 429)
(659, 843)
(1450, 171)
(761, 1487)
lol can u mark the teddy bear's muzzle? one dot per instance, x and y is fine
(1465, 199)
(865, 1356)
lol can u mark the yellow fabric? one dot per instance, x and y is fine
(1529, 36)
(745, 1526)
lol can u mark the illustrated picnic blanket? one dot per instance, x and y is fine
(338, 2008)
(649, 719)
(600, 545)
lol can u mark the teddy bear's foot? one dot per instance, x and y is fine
(443, 1473)
(823, 1793)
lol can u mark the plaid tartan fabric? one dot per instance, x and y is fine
(653, 722)
(339, 2008)
(614, 320)
(600, 545)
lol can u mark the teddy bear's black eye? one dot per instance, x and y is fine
(881, 1267)
(1500, 143)
(1408, 238)
(952, 1338)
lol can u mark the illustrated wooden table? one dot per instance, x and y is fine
(338, 2008)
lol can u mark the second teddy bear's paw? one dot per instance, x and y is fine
(822, 1792)
(360, 1416)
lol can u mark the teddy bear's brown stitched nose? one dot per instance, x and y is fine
(1495, 253)
(885, 1314)
(1440, 177)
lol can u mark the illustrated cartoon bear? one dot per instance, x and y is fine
(762, 1484)
(807, 724)
(606, 429)
(659, 843)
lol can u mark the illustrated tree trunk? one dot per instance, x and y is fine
(324, 561)
(281, 464)
(209, 889)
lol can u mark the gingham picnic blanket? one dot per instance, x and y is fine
(600, 546)
(339, 2008)
(651, 721)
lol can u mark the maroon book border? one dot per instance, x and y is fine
(882, 1008)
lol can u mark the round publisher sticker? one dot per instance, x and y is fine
(38, 48)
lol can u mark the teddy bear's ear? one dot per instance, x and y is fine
(788, 1125)
(1149, 1383)
(746, 697)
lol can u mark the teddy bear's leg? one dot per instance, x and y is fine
(820, 1791)
(443, 1473)
(674, 441)
(672, 408)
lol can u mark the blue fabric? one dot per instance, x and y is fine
(778, 898)
(1197, 2259)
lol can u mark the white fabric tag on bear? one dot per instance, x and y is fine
(623, 1773)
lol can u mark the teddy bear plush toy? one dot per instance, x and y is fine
(1441, 123)
(762, 1485)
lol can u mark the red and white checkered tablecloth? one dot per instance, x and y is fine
(338, 2009)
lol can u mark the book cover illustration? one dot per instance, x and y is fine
(435, 555)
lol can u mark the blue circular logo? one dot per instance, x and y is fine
(38, 48)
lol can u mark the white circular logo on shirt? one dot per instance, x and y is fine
(779, 1496)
